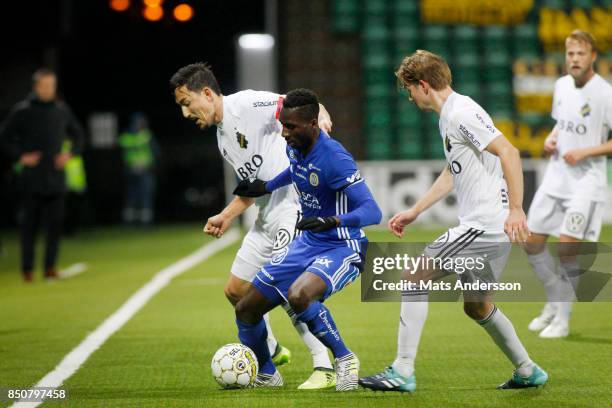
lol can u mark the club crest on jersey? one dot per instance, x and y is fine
(314, 179)
(585, 110)
(242, 140)
(447, 143)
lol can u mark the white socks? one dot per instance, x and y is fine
(544, 266)
(320, 358)
(271, 340)
(568, 285)
(503, 334)
(413, 314)
(560, 287)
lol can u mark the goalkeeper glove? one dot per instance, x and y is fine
(318, 224)
(248, 188)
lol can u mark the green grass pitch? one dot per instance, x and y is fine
(162, 356)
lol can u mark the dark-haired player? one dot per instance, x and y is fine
(248, 136)
(327, 256)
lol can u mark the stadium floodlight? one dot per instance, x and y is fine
(183, 12)
(256, 41)
(119, 5)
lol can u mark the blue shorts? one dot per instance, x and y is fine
(337, 266)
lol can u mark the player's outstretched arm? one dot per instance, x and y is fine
(438, 190)
(218, 224)
(516, 223)
(258, 188)
(365, 209)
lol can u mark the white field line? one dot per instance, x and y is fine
(73, 360)
(202, 282)
(73, 270)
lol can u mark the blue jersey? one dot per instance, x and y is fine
(320, 179)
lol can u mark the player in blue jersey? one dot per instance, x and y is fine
(330, 252)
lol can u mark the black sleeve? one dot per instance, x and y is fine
(9, 136)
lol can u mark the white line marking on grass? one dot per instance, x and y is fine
(73, 360)
(73, 270)
(202, 282)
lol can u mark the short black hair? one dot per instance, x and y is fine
(195, 77)
(306, 100)
(41, 72)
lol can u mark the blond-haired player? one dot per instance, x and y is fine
(490, 216)
(569, 203)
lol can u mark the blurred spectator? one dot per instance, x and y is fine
(139, 154)
(33, 136)
(76, 183)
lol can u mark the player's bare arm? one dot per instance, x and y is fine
(324, 120)
(438, 190)
(574, 156)
(509, 156)
(550, 143)
(218, 224)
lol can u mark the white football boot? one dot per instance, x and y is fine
(544, 319)
(556, 329)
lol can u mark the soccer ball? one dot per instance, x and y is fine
(234, 366)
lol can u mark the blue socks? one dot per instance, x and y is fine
(320, 322)
(254, 336)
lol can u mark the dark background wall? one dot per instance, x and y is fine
(119, 62)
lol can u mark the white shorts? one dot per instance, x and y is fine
(577, 217)
(263, 241)
(462, 243)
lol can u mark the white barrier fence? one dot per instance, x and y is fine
(396, 185)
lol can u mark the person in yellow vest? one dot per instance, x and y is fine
(139, 151)
(76, 186)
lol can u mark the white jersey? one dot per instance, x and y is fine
(584, 119)
(249, 138)
(466, 130)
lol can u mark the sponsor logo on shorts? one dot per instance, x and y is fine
(267, 275)
(439, 242)
(282, 239)
(575, 222)
(276, 259)
(323, 261)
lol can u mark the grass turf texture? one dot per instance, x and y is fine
(162, 356)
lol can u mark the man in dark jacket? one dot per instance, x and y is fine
(32, 136)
